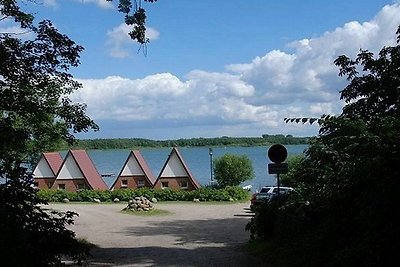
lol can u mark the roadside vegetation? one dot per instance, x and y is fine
(345, 208)
(229, 193)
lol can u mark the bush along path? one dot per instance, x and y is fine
(229, 193)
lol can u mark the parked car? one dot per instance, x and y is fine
(267, 193)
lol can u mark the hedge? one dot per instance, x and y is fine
(203, 194)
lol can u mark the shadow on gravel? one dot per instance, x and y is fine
(213, 242)
(161, 256)
(218, 231)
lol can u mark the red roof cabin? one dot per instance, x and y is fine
(78, 172)
(46, 170)
(175, 174)
(135, 173)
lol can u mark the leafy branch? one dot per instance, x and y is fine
(135, 16)
(302, 120)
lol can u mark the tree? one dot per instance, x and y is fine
(289, 178)
(231, 170)
(135, 16)
(35, 114)
(346, 212)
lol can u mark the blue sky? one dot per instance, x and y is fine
(215, 68)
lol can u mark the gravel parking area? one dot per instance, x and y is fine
(193, 234)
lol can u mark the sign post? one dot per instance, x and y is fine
(210, 152)
(277, 154)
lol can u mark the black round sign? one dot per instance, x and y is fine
(277, 153)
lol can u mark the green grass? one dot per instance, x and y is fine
(155, 212)
(203, 202)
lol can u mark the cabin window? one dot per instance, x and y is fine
(36, 184)
(80, 186)
(50, 184)
(61, 186)
(140, 183)
(124, 183)
(164, 185)
(183, 184)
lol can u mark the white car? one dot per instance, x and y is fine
(274, 189)
(267, 193)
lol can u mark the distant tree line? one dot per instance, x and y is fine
(128, 143)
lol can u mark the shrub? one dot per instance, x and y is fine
(30, 235)
(122, 194)
(204, 194)
(237, 193)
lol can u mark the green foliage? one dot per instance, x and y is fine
(30, 235)
(346, 212)
(35, 115)
(237, 193)
(289, 178)
(135, 16)
(231, 170)
(203, 194)
(263, 224)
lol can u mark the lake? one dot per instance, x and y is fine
(197, 159)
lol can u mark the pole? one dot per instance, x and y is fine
(210, 152)
(278, 184)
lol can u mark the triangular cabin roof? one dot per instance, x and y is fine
(48, 165)
(77, 164)
(175, 166)
(135, 164)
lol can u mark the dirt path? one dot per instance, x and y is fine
(192, 235)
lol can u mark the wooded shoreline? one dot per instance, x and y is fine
(129, 143)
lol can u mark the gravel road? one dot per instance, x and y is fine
(193, 234)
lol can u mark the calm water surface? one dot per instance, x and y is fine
(196, 158)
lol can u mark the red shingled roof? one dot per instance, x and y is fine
(88, 169)
(54, 160)
(143, 165)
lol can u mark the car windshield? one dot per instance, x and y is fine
(265, 190)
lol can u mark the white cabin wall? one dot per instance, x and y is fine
(174, 168)
(70, 170)
(43, 170)
(132, 168)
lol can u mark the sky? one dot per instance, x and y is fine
(216, 68)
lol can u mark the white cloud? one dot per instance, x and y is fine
(10, 27)
(100, 3)
(220, 84)
(120, 43)
(319, 109)
(257, 95)
(50, 3)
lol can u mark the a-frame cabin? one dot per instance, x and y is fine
(135, 173)
(175, 174)
(46, 170)
(78, 172)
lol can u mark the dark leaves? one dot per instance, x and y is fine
(34, 77)
(302, 120)
(135, 16)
